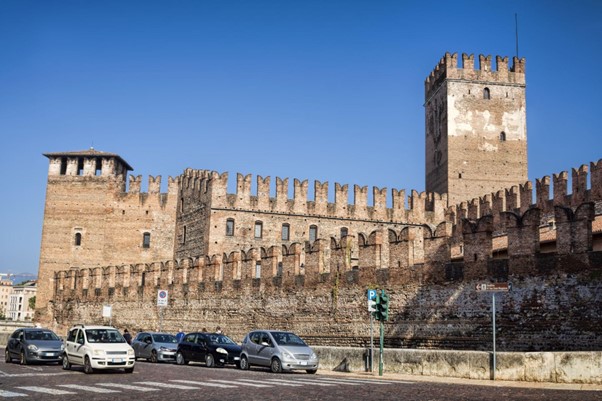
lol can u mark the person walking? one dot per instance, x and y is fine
(180, 335)
(127, 336)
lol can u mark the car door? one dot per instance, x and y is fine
(78, 347)
(200, 347)
(265, 349)
(146, 346)
(186, 346)
(251, 347)
(13, 343)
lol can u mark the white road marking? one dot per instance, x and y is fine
(168, 385)
(197, 383)
(239, 383)
(46, 390)
(281, 382)
(360, 381)
(37, 374)
(10, 394)
(316, 382)
(88, 388)
(127, 387)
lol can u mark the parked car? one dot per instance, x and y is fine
(156, 347)
(211, 348)
(97, 347)
(280, 350)
(33, 345)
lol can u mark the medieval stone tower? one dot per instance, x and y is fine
(476, 131)
(90, 218)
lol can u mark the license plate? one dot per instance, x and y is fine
(236, 358)
(117, 360)
(303, 363)
(49, 354)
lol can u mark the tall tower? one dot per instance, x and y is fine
(476, 127)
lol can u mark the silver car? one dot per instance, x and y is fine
(279, 350)
(33, 345)
(156, 347)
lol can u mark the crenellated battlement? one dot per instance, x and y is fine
(521, 197)
(448, 68)
(210, 186)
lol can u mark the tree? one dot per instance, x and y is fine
(32, 302)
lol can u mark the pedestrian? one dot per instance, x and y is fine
(127, 336)
(180, 335)
(218, 330)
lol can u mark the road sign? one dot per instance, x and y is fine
(106, 311)
(494, 287)
(371, 295)
(162, 298)
(371, 305)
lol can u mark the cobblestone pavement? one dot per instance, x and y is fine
(196, 382)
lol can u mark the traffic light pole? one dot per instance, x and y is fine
(382, 343)
(371, 342)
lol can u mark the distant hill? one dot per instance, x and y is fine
(18, 278)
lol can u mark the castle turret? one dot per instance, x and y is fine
(476, 132)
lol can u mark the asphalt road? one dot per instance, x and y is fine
(196, 382)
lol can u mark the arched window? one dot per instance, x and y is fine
(486, 94)
(286, 232)
(344, 231)
(258, 229)
(502, 136)
(230, 227)
(146, 240)
(313, 232)
(78, 239)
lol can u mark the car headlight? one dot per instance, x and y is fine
(98, 352)
(314, 356)
(131, 351)
(32, 347)
(221, 350)
(162, 348)
(287, 355)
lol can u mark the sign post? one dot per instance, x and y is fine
(493, 288)
(371, 308)
(162, 299)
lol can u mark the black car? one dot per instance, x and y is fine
(211, 348)
(33, 345)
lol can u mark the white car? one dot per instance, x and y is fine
(97, 347)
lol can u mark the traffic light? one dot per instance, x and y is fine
(383, 306)
(376, 313)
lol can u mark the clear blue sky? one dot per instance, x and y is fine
(312, 89)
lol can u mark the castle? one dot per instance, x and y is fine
(247, 260)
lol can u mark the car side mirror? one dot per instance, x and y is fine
(265, 344)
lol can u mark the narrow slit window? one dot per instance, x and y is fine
(258, 229)
(502, 136)
(230, 227)
(344, 232)
(286, 230)
(78, 239)
(486, 94)
(313, 232)
(257, 269)
(146, 240)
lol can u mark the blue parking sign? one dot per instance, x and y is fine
(371, 295)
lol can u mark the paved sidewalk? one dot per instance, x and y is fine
(470, 382)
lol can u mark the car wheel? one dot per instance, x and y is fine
(129, 370)
(22, 358)
(88, 366)
(276, 365)
(180, 360)
(153, 357)
(209, 361)
(7, 357)
(244, 363)
(66, 363)
(312, 371)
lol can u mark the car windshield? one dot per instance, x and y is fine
(288, 339)
(165, 338)
(220, 339)
(41, 335)
(104, 336)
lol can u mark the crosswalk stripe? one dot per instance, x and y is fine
(204, 383)
(46, 390)
(127, 387)
(88, 388)
(281, 382)
(316, 382)
(358, 381)
(242, 384)
(169, 385)
(10, 394)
